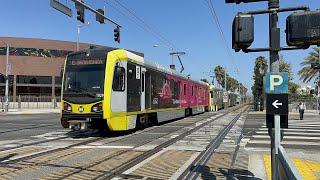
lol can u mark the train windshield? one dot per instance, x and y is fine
(85, 78)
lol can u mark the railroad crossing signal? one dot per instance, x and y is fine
(277, 98)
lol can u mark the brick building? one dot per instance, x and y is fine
(34, 66)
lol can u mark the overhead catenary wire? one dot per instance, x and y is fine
(168, 42)
(141, 23)
(217, 22)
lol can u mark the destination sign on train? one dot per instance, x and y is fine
(86, 62)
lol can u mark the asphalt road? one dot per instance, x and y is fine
(25, 126)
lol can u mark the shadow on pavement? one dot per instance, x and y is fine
(206, 173)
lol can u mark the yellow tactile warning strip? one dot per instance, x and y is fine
(308, 169)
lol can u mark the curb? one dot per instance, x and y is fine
(26, 113)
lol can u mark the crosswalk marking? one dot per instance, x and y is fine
(299, 135)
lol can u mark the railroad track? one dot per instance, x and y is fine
(128, 155)
(29, 127)
(140, 158)
(194, 169)
(52, 152)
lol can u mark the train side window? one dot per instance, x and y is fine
(118, 83)
(185, 89)
(191, 90)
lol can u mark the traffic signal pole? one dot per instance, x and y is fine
(274, 45)
(6, 109)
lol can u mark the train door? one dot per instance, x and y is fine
(119, 90)
(143, 89)
(134, 87)
(148, 90)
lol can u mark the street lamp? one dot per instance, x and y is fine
(78, 32)
(7, 80)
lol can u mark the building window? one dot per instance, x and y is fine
(3, 85)
(58, 80)
(13, 51)
(57, 91)
(34, 79)
(34, 91)
(2, 79)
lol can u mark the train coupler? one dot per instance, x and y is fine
(79, 124)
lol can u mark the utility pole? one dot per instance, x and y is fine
(7, 82)
(318, 84)
(240, 93)
(225, 79)
(78, 33)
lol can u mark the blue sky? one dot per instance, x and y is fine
(187, 24)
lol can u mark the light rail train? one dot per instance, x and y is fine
(116, 89)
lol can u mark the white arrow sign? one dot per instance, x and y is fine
(276, 104)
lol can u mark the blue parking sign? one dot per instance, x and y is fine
(276, 83)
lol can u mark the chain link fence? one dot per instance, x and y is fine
(31, 102)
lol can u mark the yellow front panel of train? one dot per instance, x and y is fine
(118, 123)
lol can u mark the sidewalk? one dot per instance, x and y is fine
(29, 111)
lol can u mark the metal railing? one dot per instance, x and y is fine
(281, 165)
(287, 170)
(31, 102)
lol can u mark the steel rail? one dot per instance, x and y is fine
(193, 170)
(138, 159)
(73, 145)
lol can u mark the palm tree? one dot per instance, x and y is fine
(219, 73)
(260, 69)
(307, 73)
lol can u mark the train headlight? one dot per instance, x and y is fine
(97, 107)
(67, 107)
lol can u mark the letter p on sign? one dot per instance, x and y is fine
(275, 80)
(276, 83)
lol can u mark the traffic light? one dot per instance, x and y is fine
(80, 12)
(100, 18)
(242, 32)
(244, 1)
(315, 65)
(117, 34)
(303, 29)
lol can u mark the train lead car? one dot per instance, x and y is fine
(115, 89)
